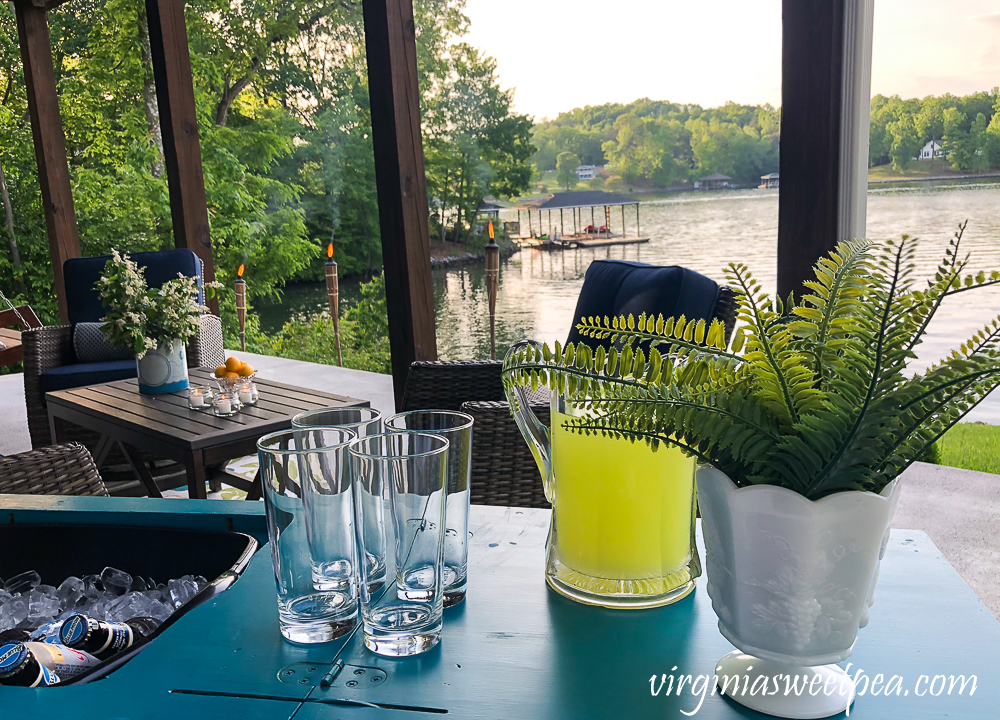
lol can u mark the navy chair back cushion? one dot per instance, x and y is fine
(81, 274)
(619, 287)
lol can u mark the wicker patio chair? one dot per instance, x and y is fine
(504, 471)
(48, 348)
(65, 469)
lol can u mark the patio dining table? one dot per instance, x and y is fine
(513, 650)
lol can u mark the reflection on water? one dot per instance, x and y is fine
(538, 289)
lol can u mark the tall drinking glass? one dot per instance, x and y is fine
(310, 524)
(411, 470)
(456, 428)
(362, 421)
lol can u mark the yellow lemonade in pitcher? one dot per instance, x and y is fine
(624, 516)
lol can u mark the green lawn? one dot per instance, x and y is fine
(917, 169)
(972, 446)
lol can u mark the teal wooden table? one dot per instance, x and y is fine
(513, 650)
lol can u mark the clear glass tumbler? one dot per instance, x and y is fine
(309, 505)
(411, 469)
(362, 421)
(456, 428)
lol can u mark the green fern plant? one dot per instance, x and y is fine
(812, 395)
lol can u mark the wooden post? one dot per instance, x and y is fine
(171, 59)
(623, 220)
(825, 105)
(399, 176)
(562, 225)
(49, 142)
(637, 233)
(592, 221)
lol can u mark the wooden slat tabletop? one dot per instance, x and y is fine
(168, 418)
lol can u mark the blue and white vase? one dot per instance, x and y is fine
(163, 369)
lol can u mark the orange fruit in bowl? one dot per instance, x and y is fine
(231, 376)
(233, 364)
(247, 370)
(220, 371)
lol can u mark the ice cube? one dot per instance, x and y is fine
(23, 582)
(70, 591)
(138, 584)
(116, 581)
(182, 589)
(42, 607)
(13, 613)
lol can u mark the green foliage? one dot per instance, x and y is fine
(141, 318)
(566, 165)
(364, 335)
(899, 128)
(284, 123)
(662, 144)
(811, 395)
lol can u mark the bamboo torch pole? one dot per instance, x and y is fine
(492, 286)
(333, 296)
(241, 306)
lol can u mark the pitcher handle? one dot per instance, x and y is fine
(535, 433)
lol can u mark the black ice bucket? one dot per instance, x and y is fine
(58, 551)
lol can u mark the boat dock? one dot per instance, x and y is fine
(578, 241)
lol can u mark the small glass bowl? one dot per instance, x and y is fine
(200, 397)
(247, 393)
(226, 403)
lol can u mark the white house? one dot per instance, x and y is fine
(586, 172)
(931, 150)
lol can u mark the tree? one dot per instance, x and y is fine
(993, 136)
(566, 165)
(956, 139)
(979, 161)
(905, 142)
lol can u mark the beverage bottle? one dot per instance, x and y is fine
(35, 664)
(101, 638)
(18, 666)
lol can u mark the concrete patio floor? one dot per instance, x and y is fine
(958, 509)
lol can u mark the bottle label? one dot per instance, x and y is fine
(63, 661)
(119, 638)
(46, 678)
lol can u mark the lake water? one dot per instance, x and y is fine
(538, 289)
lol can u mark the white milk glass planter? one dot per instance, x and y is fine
(792, 581)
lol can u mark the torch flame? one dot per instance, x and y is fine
(491, 230)
(240, 271)
(329, 250)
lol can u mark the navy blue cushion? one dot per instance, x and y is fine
(72, 376)
(619, 287)
(81, 274)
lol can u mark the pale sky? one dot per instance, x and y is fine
(559, 54)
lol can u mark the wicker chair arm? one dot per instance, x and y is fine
(46, 348)
(66, 469)
(206, 349)
(503, 469)
(445, 385)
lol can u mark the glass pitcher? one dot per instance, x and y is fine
(622, 529)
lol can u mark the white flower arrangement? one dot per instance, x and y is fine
(140, 318)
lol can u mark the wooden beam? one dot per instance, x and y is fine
(825, 100)
(171, 60)
(49, 141)
(402, 190)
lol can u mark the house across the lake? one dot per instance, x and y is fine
(768, 181)
(716, 181)
(586, 172)
(931, 150)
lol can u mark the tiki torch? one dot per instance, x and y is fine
(241, 306)
(492, 286)
(333, 296)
